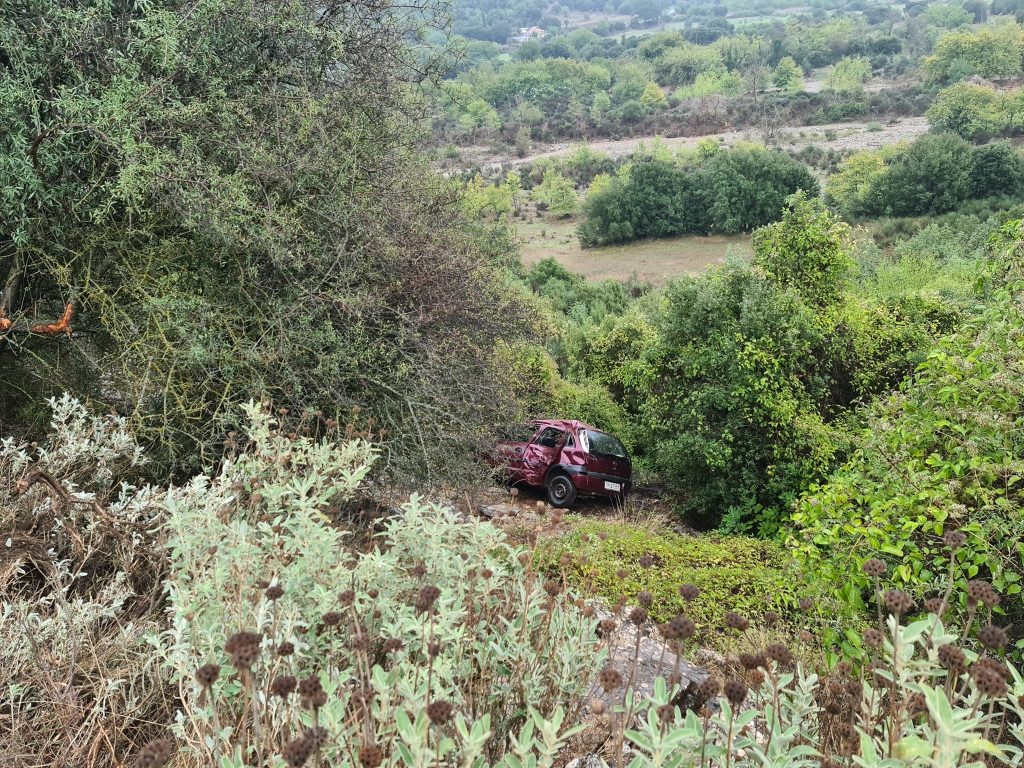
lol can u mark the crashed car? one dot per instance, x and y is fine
(566, 458)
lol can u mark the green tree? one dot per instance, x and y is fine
(747, 188)
(479, 116)
(970, 111)
(558, 193)
(788, 75)
(730, 393)
(653, 97)
(932, 175)
(948, 15)
(206, 183)
(849, 75)
(809, 250)
(996, 169)
(993, 51)
(851, 188)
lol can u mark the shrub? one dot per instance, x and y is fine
(996, 169)
(730, 397)
(441, 610)
(80, 579)
(909, 186)
(913, 696)
(944, 452)
(970, 111)
(808, 250)
(734, 573)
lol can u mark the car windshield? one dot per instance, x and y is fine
(603, 444)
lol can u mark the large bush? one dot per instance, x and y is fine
(730, 397)
(944, 452)
(730, 191)
(935, 174)
(232, 217)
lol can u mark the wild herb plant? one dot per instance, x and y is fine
(437, 645)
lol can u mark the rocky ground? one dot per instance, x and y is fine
(839, 136)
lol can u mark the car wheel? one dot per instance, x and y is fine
(561, 491)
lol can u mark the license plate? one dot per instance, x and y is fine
(612, 486)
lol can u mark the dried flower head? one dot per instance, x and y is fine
(439, 711)
(709, 687)
(647, 560)
(607, 627)
(666, 714)
(644, 598)
(287, 648)
(993, 637)
(552, 588)
(610, 679)
(780, 653)
(346, 597)
(689, 592)
(274, 592)
(988, 682)
(952, 658)
(207, 674)
(936, 605)
(638, 615)
(621, 573)
(873, 637)
(154, 754)
(874, 568)
(954, 539)
(806, 603)
(771, 618)
(898, 602)
(734, 621)
(979, 591)
(426, 598)
(736, 692)
(678, 628)
(297, 751)
(370, 756)
(317, 737)
(244, 648)
(992, 665)
(283, 686)
(310, 686)
(332, 618)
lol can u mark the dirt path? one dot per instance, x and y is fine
(855, 136)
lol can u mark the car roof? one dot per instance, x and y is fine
(565, 424)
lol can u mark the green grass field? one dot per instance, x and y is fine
(651, 261)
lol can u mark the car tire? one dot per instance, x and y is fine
(561, 491)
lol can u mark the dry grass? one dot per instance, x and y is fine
(650, 261)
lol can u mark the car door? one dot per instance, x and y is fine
(541, 453)
(511, 451)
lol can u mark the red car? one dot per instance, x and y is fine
(568, 458)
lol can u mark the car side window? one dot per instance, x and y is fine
(550, 437)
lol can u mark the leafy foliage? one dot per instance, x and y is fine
(733, 573)
(942, 453)
(729, 191)
(278, 535)
(211, 197)
(808, 250)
